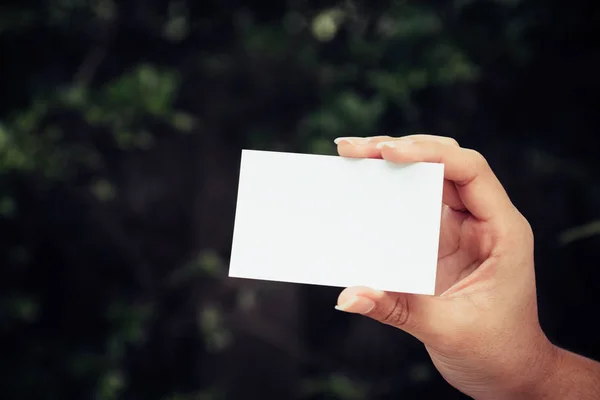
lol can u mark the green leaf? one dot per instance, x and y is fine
(326, 24)
(7, 206)
(103, 190)
(111, 385)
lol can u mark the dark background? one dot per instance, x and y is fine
(121, 126)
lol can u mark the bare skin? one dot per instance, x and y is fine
(481, 328)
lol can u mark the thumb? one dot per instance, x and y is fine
(419, 315)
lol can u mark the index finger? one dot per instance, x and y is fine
(480, 190)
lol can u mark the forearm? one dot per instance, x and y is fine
(573, 377)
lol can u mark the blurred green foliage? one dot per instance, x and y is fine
(101, 97)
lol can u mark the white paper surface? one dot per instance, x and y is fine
(334, 221)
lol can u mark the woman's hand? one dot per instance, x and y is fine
(481, 329)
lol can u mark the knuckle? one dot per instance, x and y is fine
(517, 231)
(520, 226)
(479, 161)
(399, 314)
(453, 142)
(527, 230)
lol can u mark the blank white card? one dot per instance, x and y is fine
(328, 220)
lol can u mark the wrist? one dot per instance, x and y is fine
(545, 366)
(550, 367)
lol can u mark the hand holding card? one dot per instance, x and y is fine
(373, 225)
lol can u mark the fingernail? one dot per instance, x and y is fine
(357, 305)
(371, 138)
(395, 144)
(381, 145)
(351, 140)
